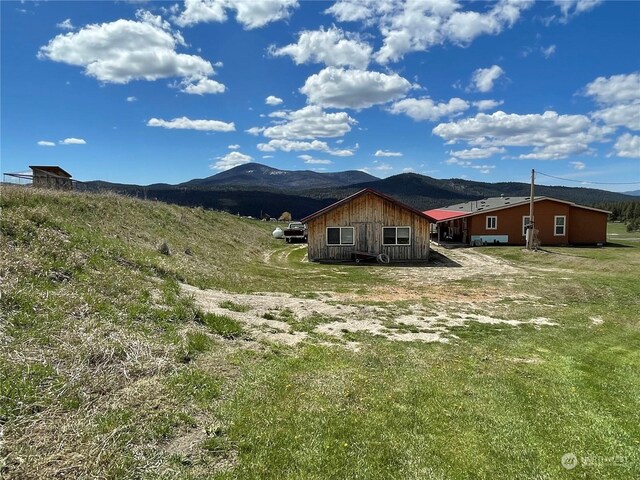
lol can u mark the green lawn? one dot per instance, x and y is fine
(108, 371)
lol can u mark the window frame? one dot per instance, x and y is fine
(396, 236)
(495, 223)
(526, 220)
(341, 244)
(555, 225)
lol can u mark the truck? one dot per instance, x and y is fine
(295, 232)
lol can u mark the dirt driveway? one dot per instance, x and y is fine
(425, 303)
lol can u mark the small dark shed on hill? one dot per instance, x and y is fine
(368, 222)
(51, 177)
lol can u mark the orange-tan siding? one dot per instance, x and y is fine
(582, 226)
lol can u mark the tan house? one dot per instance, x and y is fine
(368, 222)
(51, 177)
(503, 220)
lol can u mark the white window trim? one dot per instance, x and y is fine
(526, 219)
(353, 236)
(396, 244)
(486, 224)
(555, 226)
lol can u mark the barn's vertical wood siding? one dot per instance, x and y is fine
(368, 214)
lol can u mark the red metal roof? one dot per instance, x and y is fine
(440, 215)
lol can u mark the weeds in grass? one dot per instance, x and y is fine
(222, 325)
(234, 307)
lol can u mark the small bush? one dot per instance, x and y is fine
(163, 248)
(222, 325)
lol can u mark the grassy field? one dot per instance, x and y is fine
(109, 370)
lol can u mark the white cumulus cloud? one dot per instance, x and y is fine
(184, 123)
(66, 25)
(333, 47)
(132, 99)
(484, 78)
(126, 50)
(571, 8)
(483, 105)
(615, 89)
(419, 25)
(230, 160)
(301, 146)
(619, 99)
(72, 141)
(476, 153)
(427, 109)
(273, 100)
(578, 165)
(551, 136)
(250, 13)
(628, 146)
(387, 153)
(233, 147)
(202, 85)
(340, 88)
(310, 122)
(46, 143)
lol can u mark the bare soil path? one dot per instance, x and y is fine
(434, 302)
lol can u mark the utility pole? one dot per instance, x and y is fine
(531, 222)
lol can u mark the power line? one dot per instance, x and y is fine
(585, 181)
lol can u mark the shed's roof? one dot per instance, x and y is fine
(477, 207)
(52, 169)
(440, 214)
(360, 193)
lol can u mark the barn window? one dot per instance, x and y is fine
(340, 236)
(492, 223)
(396, 236)
(560, 225)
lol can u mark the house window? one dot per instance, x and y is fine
(560, 225)
(526, 220)
(396, 235)
(492, 223)
(340, 236)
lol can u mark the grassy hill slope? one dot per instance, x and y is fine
(108, 370)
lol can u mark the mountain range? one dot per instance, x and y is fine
(258, 190)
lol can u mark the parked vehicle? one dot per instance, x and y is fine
(295, 232)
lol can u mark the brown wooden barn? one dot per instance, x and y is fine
(51, 177)
(503, 220)
(368, 222)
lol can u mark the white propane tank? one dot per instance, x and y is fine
(278, 233)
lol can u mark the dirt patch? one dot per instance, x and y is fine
(595, 321)
(277, 317)
(265, 311)
(272, 317)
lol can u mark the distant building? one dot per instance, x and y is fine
(51, 177)
(503, 220)
(368, 222)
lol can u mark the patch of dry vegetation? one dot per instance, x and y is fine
(94, 330)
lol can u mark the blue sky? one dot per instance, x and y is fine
(146, 92)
